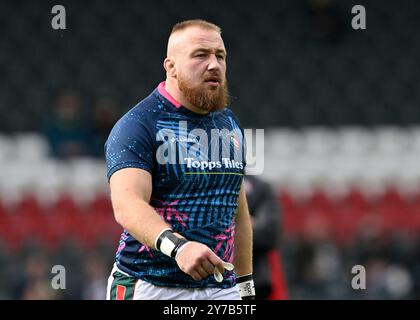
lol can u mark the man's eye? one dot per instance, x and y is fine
(200, 55)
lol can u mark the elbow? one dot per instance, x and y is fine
(120, 215)
(124, 214)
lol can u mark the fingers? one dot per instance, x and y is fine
(195, 275)
(217, 263)
(208, 267)
(202, 271)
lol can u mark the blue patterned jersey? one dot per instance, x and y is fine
(197, 165)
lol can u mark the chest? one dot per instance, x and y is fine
(198, 152)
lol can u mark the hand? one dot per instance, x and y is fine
(198, 261)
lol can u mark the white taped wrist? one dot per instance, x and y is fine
(246, 286)
(159, 235)
(169, 244)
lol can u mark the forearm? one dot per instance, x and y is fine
(243, 238)
(243, 248)
(140, 219)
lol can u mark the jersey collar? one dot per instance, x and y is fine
(162, 90)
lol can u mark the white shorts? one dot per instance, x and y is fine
(122, 286)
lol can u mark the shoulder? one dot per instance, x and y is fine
(146, 109)
(228, 113)
(145, 113)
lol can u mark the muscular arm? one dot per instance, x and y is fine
(131, 189)
(243, 237)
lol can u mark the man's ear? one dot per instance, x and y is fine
(169, 66)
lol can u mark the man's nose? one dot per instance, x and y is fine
(213, 63)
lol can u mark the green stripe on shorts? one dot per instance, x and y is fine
(122, 287)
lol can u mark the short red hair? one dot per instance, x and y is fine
(195, 23)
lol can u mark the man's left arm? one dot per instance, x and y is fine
(243, 247)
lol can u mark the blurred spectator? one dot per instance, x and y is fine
(265, 214)
(388, 281)
(105, 114)
(35, 284)
(66, 128)
(95, 278)
(317, 261)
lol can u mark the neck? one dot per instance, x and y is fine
(172, 88)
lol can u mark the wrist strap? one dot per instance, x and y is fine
(169, 244)
(179, 248)
(158, 240)
(246, 287)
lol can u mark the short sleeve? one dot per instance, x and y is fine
(131, 144)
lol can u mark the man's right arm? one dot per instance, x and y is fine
(131, 189)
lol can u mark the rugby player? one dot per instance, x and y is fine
(175, 166)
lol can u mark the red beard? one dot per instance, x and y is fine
(204, 98)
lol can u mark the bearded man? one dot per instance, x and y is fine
(175, 166)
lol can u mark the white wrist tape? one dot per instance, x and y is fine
(167, 246)
(158, 236)
(168, 243)
(246, 286)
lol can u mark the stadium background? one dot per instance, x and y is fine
(340, 109)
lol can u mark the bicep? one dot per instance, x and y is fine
(130, 183)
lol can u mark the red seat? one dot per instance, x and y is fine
(8, 236)
(348, 211)
(356, 199)
(64, 220)
(292, 213)
(101, 203)
(320, 201)
(98, 226)
(98, 222)
(26, 222)
(413, 217)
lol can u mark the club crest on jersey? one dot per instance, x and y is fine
(234, 140)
